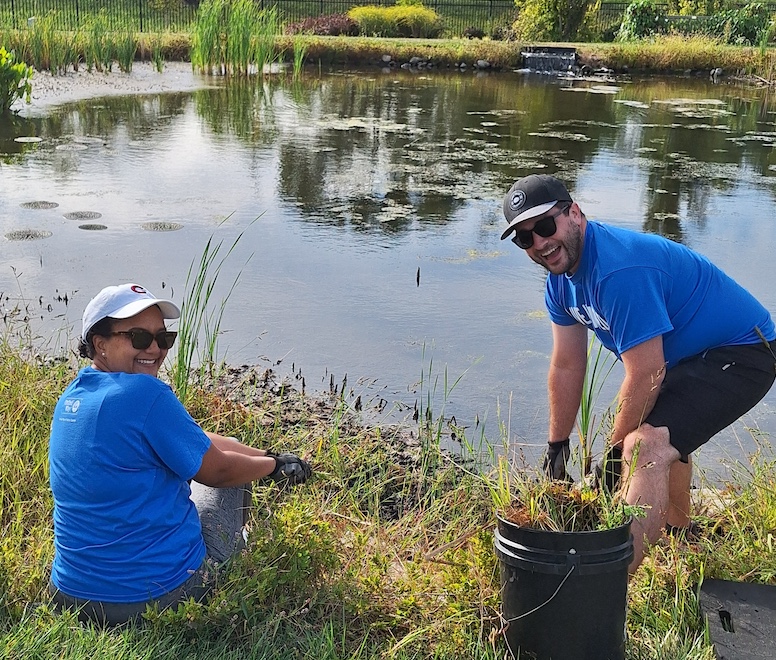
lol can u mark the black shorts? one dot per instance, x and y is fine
(704, 394)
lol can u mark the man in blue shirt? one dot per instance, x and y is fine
(697, 348)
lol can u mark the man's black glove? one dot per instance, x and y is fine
(555, 460)
(290, 469)
(607, 470)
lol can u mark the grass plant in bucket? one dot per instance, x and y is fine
(564, 550)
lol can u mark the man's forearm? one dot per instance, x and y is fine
(636, 399)
(565, 394)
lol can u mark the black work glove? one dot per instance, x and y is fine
(289, 469)
(607, 470)
(555, 460)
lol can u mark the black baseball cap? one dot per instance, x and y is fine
(531, 196)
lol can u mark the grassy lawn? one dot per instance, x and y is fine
(386, 553)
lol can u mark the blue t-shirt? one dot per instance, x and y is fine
(632, 287)
(121, 452)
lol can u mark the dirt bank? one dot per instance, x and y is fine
(51, 90)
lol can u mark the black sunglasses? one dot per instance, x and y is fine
(141, 339)
(544, 227)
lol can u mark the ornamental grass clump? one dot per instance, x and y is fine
(528, 499)
(402, 20)
(558, 506)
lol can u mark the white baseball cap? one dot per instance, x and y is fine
(123, 301)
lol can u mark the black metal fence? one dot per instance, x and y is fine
(178, 15)
(608, 18)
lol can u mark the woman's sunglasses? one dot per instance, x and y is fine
(141, 339)
(545, 228)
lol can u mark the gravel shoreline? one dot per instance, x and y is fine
(49, 90)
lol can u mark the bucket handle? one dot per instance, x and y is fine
(538, 607)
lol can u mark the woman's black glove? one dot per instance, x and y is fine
(555, 460)
(290, 469)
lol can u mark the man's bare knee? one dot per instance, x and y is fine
(650, 446)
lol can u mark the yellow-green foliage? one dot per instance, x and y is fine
(695, 7)
(444, 52)
(414, 21)
(534, 22)
(559, 20)
(378, 556)
(372, 20)
(679, 53)
(29, 388)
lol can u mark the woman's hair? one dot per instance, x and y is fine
(103, 328)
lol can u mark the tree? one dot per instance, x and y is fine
(551, 20)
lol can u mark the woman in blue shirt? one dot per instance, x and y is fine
(123, 452)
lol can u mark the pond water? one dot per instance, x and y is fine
(370, 209)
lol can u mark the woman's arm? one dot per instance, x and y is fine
(230, 463)
(228, 443)
(225, 468)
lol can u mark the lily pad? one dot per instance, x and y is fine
(474, 255)
(27, 234)
(561, 135)
(92, 227)
(71, 147)
(38, 205)
(88, 139)
(28, 139)
(83, 215)
(162, 226)
(633, 104)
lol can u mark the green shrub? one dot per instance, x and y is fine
(695, 7)
(405, 20)
(746, 25)
(415, 21)
(642, 18)
(534, 21)
(741, 26)
(14, 80)
(371, 20)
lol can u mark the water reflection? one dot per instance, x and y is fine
(359, 179)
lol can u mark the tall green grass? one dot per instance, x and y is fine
(99, 47)
(387, 553)
(126, 49)
(234, 37)
(300, 52)
(377, 557)
(200, 322)
(29, 386)
(600, 363)
(157, 52)
(47, 48)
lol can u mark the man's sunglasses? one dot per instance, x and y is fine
(141, 339)
(545, 227)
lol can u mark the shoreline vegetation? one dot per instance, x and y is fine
(386, 553)
(670, 54)
(661, 54)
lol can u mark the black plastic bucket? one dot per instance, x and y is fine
(564, 594)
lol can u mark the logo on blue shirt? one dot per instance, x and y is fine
(594, 319)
